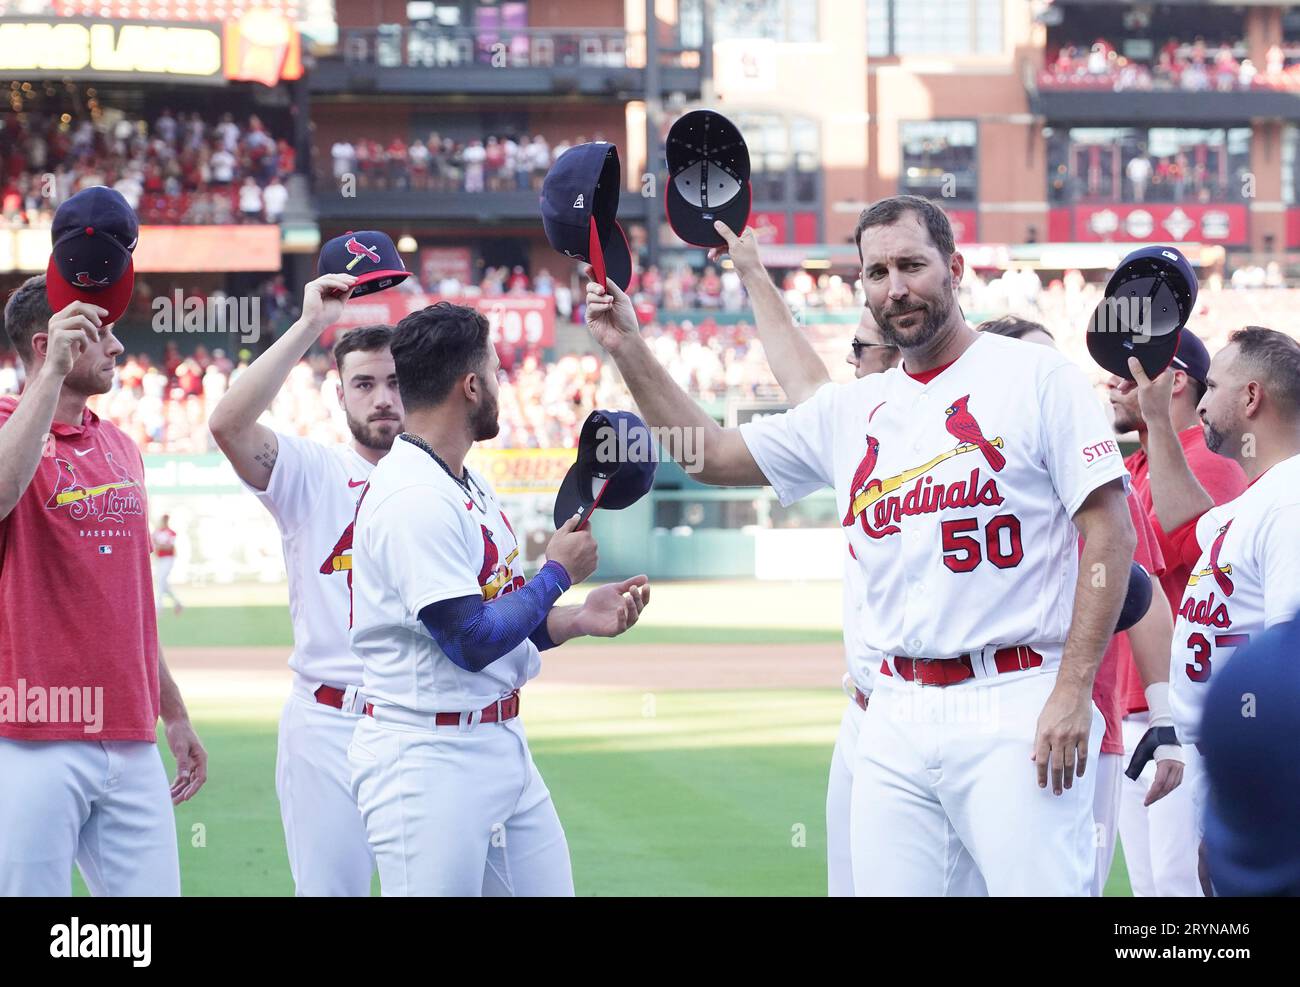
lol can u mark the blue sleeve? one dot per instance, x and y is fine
(474, 633)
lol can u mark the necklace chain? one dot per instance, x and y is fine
(463, 483)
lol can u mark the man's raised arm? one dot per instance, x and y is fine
(22, 440)
(1176, 494)
(725, 459)
(250, 447)
(794, 362)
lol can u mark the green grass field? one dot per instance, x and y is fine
(714, 792)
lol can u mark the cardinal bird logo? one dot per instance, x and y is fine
(962, 425)
(490, 556)
(861, 476)
(86, 281)
(495, 577)
(104, 502)
(359, 250)
(1220, 573)
(340, 557)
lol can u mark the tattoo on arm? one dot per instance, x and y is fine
(266, 457)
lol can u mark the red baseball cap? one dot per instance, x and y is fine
(94, 233)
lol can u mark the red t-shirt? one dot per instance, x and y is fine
(1109, 687)
(76, 593)
(1223, 480)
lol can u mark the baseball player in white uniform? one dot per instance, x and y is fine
(312, 490)
(958, 475)
(448, 632)
(1246, 576)
(800, 372)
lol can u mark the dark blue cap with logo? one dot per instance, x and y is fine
(93, 234)
(1149, 298)
(1250, 733)
(369, 256)
(579, 209)
(615, 467)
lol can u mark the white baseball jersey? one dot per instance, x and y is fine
(1246, 580)
(420, 539)
(957, 495)
(854, 646)
(313, 495)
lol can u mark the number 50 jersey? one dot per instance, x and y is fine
(956, 490)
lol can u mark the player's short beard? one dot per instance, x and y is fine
(1214, 439)
(371, 434)
(86, 382)
(937, 313)
(484, 419)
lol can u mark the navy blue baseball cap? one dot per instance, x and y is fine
(1192, 357)
(369, 256)
(708, 177)
(1250, 732)
(579, 209)
(615, 467)
(1149, 299)
(93, 235)
(1137, 598)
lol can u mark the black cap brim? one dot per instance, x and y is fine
(695, 225)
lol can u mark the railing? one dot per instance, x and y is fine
(429, 46)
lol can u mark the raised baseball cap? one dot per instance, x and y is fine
(580, 207)
(615, 466)
(369, 256)
(93, 235)
(708, 177)
(1149, 298)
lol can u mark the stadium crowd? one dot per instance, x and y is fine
(492, 163)
(163, 403)
(1195, 66)
(179, 169)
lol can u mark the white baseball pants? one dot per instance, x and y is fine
(1160, 840)
(105, 805)
(323, 831)
(457, 811)
(942, 770)
(1105, 815)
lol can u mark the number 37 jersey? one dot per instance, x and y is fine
(1246, 580)
(956, 492)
